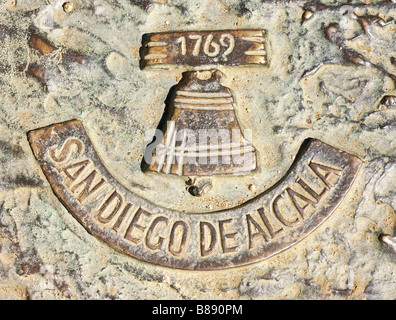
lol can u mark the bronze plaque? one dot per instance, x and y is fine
(197, 149)
(197, 48)
(267, 225)
(201, 109)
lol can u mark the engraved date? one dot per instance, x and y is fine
(200, 48)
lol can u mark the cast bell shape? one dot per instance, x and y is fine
(201, 134)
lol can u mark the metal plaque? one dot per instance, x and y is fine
(197, 48)
(197, 149)
(267, 225)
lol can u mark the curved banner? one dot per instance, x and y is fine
(261, 228)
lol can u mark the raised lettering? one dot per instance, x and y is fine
(300, 209)
(194, 48)
(278, 213)
(183, 45)
(113, 216)
(71, 177)
(69, 148)
(88, 190)
(263, 214)
(231, 44)
(197, 46)
(224, 236)
(135, 224)
(184, 229)
(150, 233)
(121, 218)
(317, 167)
(226, 40)
(212, 241)
(102, 215)
(209, 43)
(307, 188)
(260, 231)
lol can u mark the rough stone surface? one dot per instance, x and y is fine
(10, 290)
(331, 75)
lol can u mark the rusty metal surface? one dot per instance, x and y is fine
(196, 48)
(47, 51)
(261, 228)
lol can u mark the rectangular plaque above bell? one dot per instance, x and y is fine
(200, 48)
(200, 105)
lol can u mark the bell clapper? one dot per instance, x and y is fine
(198, 189)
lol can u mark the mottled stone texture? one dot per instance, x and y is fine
(331, 75)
